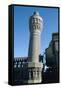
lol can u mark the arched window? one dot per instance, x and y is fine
(38, 72)
(15, 65)
(18, 65)
(31, 74)
(37, 20)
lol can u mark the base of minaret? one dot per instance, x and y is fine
(34, 72)
(34, 81)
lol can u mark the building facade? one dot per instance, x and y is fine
(21, 74)
(52, 52)
(51, 73)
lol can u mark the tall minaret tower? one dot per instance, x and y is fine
(35, 26)
(35, 67)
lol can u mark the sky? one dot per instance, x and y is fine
(21, 28)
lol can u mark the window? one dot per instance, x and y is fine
(33, 20)
(15, 62)
(29, 71)
(39, 20)
(22, 65)
(38, 74)
(34, 27)
(31, 74)
(19, 62)
(15, 65)
(36, 20)
(18, 65)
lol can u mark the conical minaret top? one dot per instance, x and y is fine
(36, 13)
(35, 22)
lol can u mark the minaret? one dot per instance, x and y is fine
(35, 67)
(35, 26)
